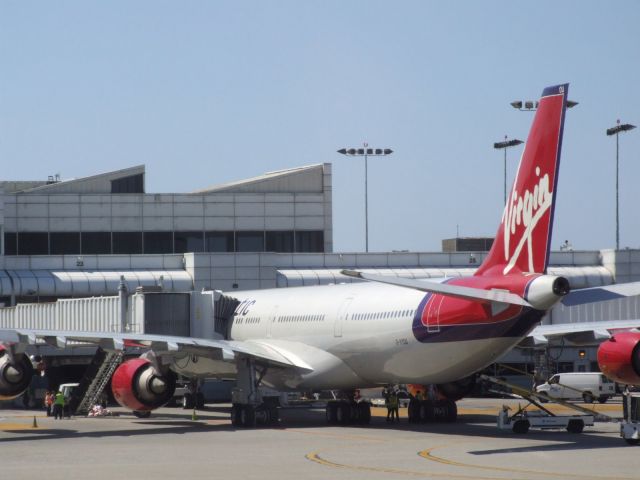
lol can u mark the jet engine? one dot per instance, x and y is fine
(137, 385)
(544, 291)
(458, 389)
(15, 376)
(619, 358)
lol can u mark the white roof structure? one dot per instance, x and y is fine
(292, 180)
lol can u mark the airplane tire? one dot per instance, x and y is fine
(452, 412)
(521, 426)
(142, 414)
(413, 411)
(248, 416)
(343, 413)
(575, 426)
(332, 413)
(274, 416)
(364, 413)
(235, 415)
(426, 411)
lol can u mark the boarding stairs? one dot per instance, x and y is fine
(97, 377)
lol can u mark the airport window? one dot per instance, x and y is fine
(188, 242)
(64, 243)
(127, 243)
(35, 243)
(249, 241)
(219, 242)
(310, 241)
(279, 242)
(95, 243)
(158, 242)
(131, 184)
(10, 243)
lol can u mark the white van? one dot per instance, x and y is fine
(588, 386)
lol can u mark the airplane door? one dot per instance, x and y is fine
(341, 317)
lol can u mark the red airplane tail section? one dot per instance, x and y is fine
(524, 236)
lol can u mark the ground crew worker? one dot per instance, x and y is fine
(48, 402)
(386, 394)
(58, 405)
(392, 409)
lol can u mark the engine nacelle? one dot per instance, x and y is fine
(619, 358)
(137, 385)
(14, 377)
(544, 291)
(458, 389)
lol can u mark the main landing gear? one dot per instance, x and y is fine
(427, 411)
(348, 412)
(193, 397)
(248, 407)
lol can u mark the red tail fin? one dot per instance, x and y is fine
(523, 238)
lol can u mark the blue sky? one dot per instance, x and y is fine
(205, 92)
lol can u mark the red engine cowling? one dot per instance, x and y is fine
(619, 358)
(14, 377)
(137, 385)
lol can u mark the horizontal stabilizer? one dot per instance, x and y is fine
(468, 293)
(579, 333)
(601, 294)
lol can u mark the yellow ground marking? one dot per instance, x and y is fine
(315, 457)
(17, 426)
(335, 435)
(428, 454)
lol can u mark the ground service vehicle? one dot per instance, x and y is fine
(588, 386)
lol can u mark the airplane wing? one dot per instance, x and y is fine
(468, 293)
(581, 333)
(601, 294)
(164, 345)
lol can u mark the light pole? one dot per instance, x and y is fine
(625, 127)
(531, 106)
(365, 152)
(503, 146)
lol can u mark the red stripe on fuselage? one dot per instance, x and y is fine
(444, 310)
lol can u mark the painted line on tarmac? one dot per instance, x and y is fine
(336, 435)
(315, 457)
(428, 455)
(17, 426)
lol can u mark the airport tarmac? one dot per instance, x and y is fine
(171, 445)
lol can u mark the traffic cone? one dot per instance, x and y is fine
(194, 417)
(35, 423)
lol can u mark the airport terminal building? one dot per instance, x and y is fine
(80, 238)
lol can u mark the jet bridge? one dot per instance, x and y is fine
(224, 306)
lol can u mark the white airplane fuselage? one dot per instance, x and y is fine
(352, 335)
